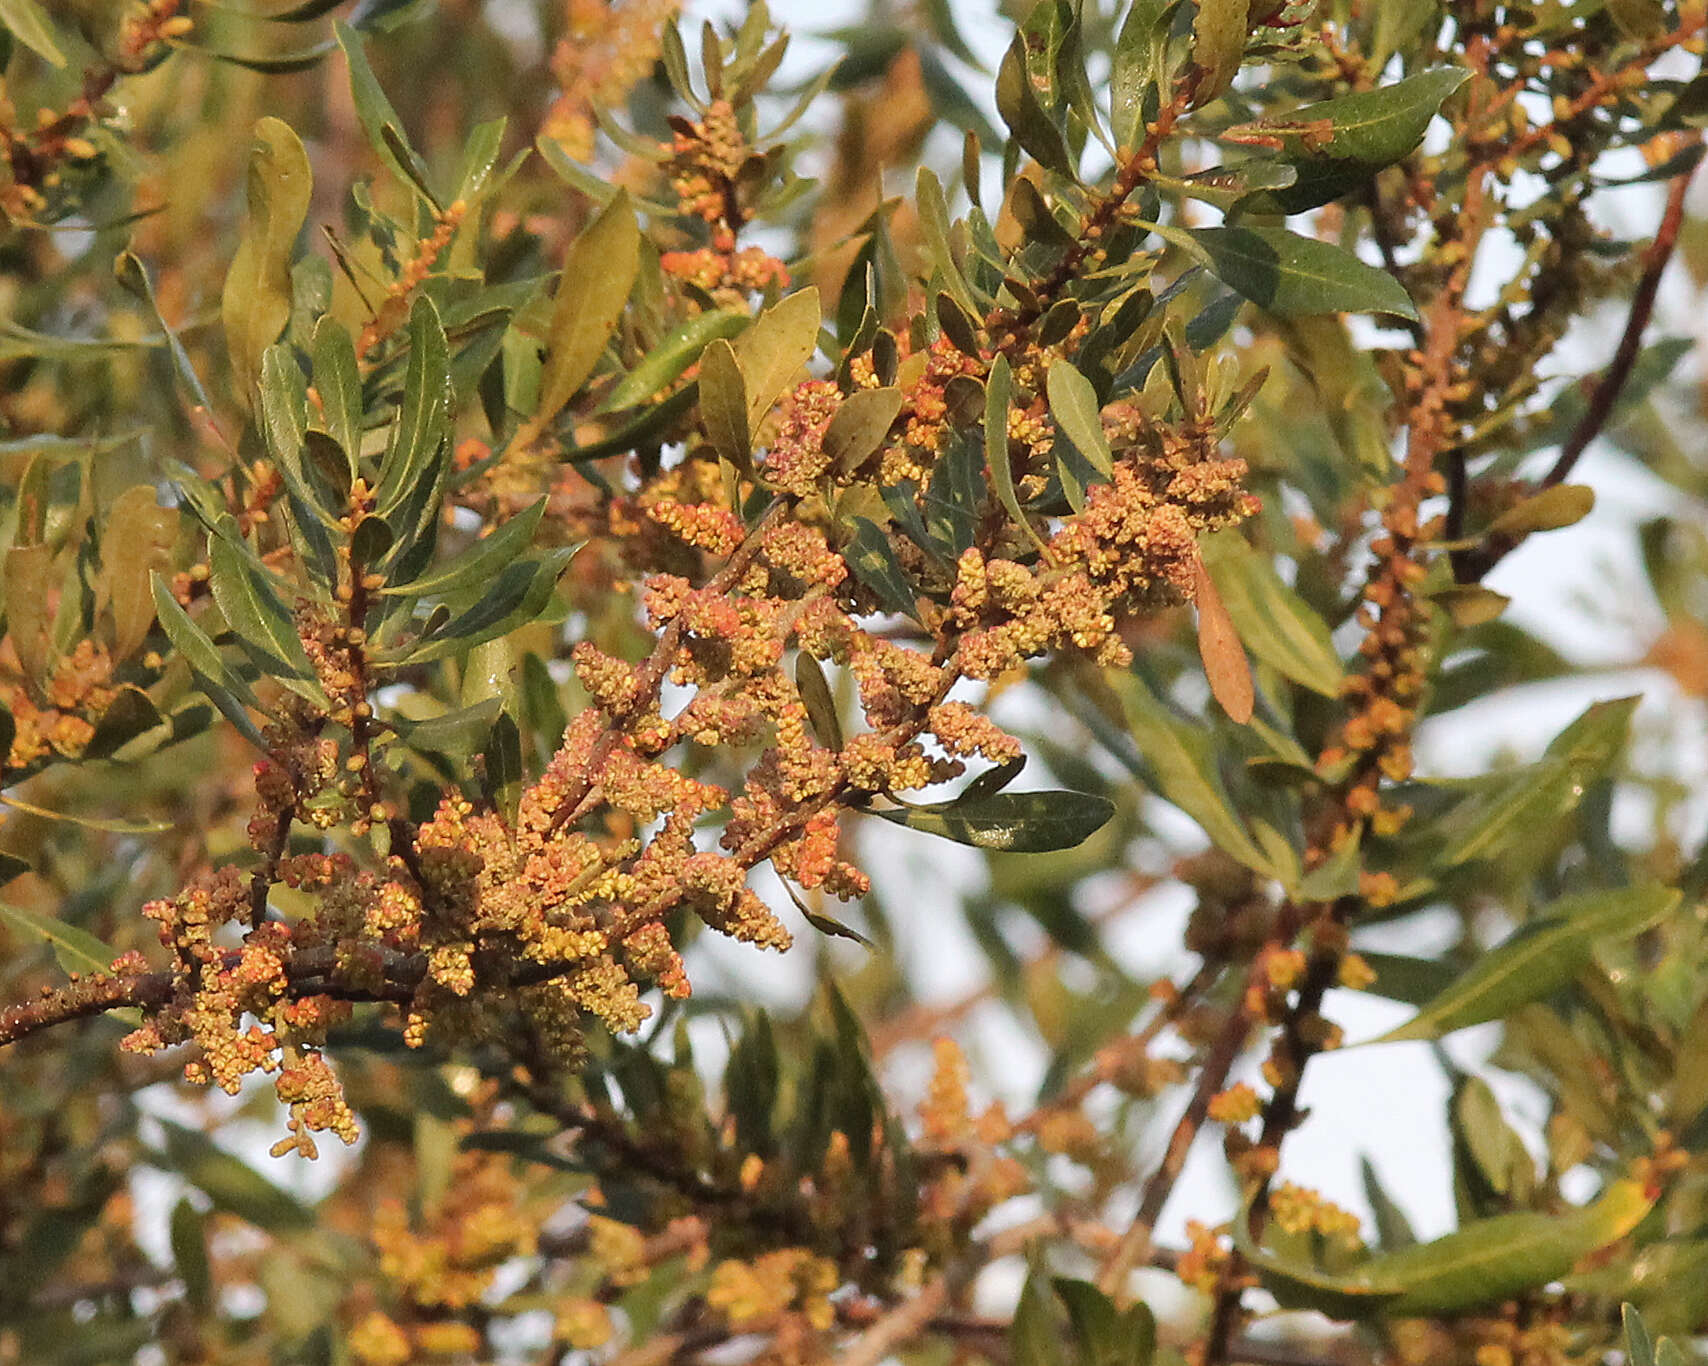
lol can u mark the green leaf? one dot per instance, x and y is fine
(996, 401)
(1034, 1338)
(675, 352)
(1018, 104)
(481, 562)
(1336, 876)
(816, 697)
(1184, 764)
(231, 1183)
(1337, 145)
(247, 598)
(75, 950)
(1561, 505)
(873, 561)
(413, 459)
(772, 351)
(1484, 1263)
(1015, 822)
(502, 767)
(1639, 1346)
(1074, 405)
(190, 1256)
(860, 427)
(1514, 807)
(1105, 1335)
(1538, 958)
(338, 382)
(224, 689)
(256, 303)
(136, 541)
(1218, 45)
(723, 405)
(26, 22)
(375, 113)
(1140, 71)
(599, 270)
(518, 596)
(934, 221)
(1276, 624)
(1288, 274)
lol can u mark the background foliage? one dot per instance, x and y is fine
(503, 499)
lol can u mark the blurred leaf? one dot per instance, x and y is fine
(1538, 959)
(1218, 45)
(136, 541)
(190, 1256)
(231, 1183)
(1275, 623)
(1017, 822)
(256, 303)
(26, 22)
(1225, 664)
(1105, 1335)
(502, 767)
(1559, 506)
(1185, 766)
(113, 825)
(375, 113)
(75, 950)
(1639, 1347)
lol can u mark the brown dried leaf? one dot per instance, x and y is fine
(1219, 646)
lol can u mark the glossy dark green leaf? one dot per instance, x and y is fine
(479, 563)
(1015, 822)
(1337, 145)
(816, 697)
(1538, 959)
(873, 561)
(375, 112)
(1289, 274)
(502, 774)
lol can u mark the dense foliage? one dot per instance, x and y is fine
(501, 499)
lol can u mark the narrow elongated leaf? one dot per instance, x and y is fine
(1337, 145)
(251, 605)
(1483, 1263)
(112, 825)
(1016, 822)
(520, 594)
(1185, 769)
(74, 949)
(413, 457)
(1275, 623)
(256, 303)
(481, 562)
(1219, 647)
(338, 383)
(375, 111)
(224, 689)
(1538, 959)
(1074, 405)
(599, 270)
(26, 22)
(28, 579)
(1288, 274)
(996, 401)
(231, 1183)
(679, 348)
(816, 697)
(934, 219)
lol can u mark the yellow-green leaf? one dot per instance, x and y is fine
(1218, 43)
(26, 22)
(723, 404)
(598, 271)
(256, 303)
(1551, 509)
(1277, 625)
(772, 351)
(135, 542)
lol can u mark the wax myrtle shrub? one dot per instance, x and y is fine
(501, 498)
